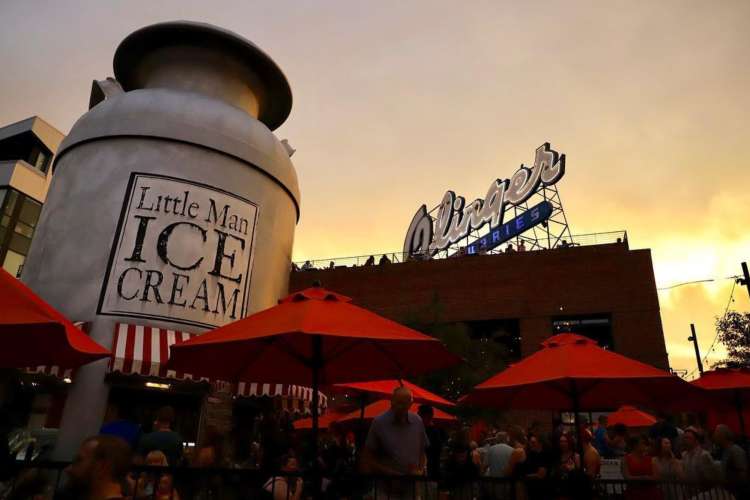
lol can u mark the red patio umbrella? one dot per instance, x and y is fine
(630, 416)
(731, 385)
(314, 335)
(380, 389)
(572, 373)
(379, 407)
(33, 333)
(324, 421)
(385, 388)
(311, 337)
(571, 370)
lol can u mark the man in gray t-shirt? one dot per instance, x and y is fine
(397, 440)
(498, 456)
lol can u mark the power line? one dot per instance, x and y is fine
(716, 336)
(697, 281)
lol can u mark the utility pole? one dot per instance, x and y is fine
(746, 280)
(694, 339)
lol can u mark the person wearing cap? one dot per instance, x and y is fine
(697, 463)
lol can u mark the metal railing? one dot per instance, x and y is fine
(396, 257)
(188, 483)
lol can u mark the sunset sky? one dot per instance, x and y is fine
(395, 102)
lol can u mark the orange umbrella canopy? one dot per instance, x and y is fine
(573, 371)
(324, 421)
(385, 388)
(730, 387)
(382, 406)
(725, 379)
(33, 333)
(630, 416)
(314, 330)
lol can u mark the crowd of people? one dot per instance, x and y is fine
(545, 463)
(370, 261)
(665, 453)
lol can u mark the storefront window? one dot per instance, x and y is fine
(597, 327)
(504, 334)
(140, 405)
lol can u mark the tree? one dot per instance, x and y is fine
(734, 332)
(483, 356)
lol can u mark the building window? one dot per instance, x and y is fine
(597, 327)
(39, 158)
(504, 334)
(19, 215)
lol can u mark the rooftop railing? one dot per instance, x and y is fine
(391, 257)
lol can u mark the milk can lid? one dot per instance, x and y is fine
(139, 43)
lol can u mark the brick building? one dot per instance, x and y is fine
(605, 291)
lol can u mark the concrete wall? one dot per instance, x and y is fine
(532, 287)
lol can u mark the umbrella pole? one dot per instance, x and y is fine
(738, 405)
(361, 436)
(577, 434)
(317, 361)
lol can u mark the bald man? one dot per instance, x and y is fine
(397, 440)
(98, 469)
(734, 465)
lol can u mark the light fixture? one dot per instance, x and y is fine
(157, 385)
(67, 380)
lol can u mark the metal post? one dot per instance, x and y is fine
(694, 339)
(317, 363)
(740, 416)
(746, 280)
(361, 434)
(579, 442)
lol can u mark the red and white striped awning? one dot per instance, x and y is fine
(54, 370)
(286, 391)
(144, 350)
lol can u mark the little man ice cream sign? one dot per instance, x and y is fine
(183, 253)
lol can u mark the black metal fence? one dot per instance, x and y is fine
(49, 480)
(396, 257)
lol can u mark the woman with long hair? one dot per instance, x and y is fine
(668, 468)
(569, 460)
(285, 487)
(638, 466)
(157, 486)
